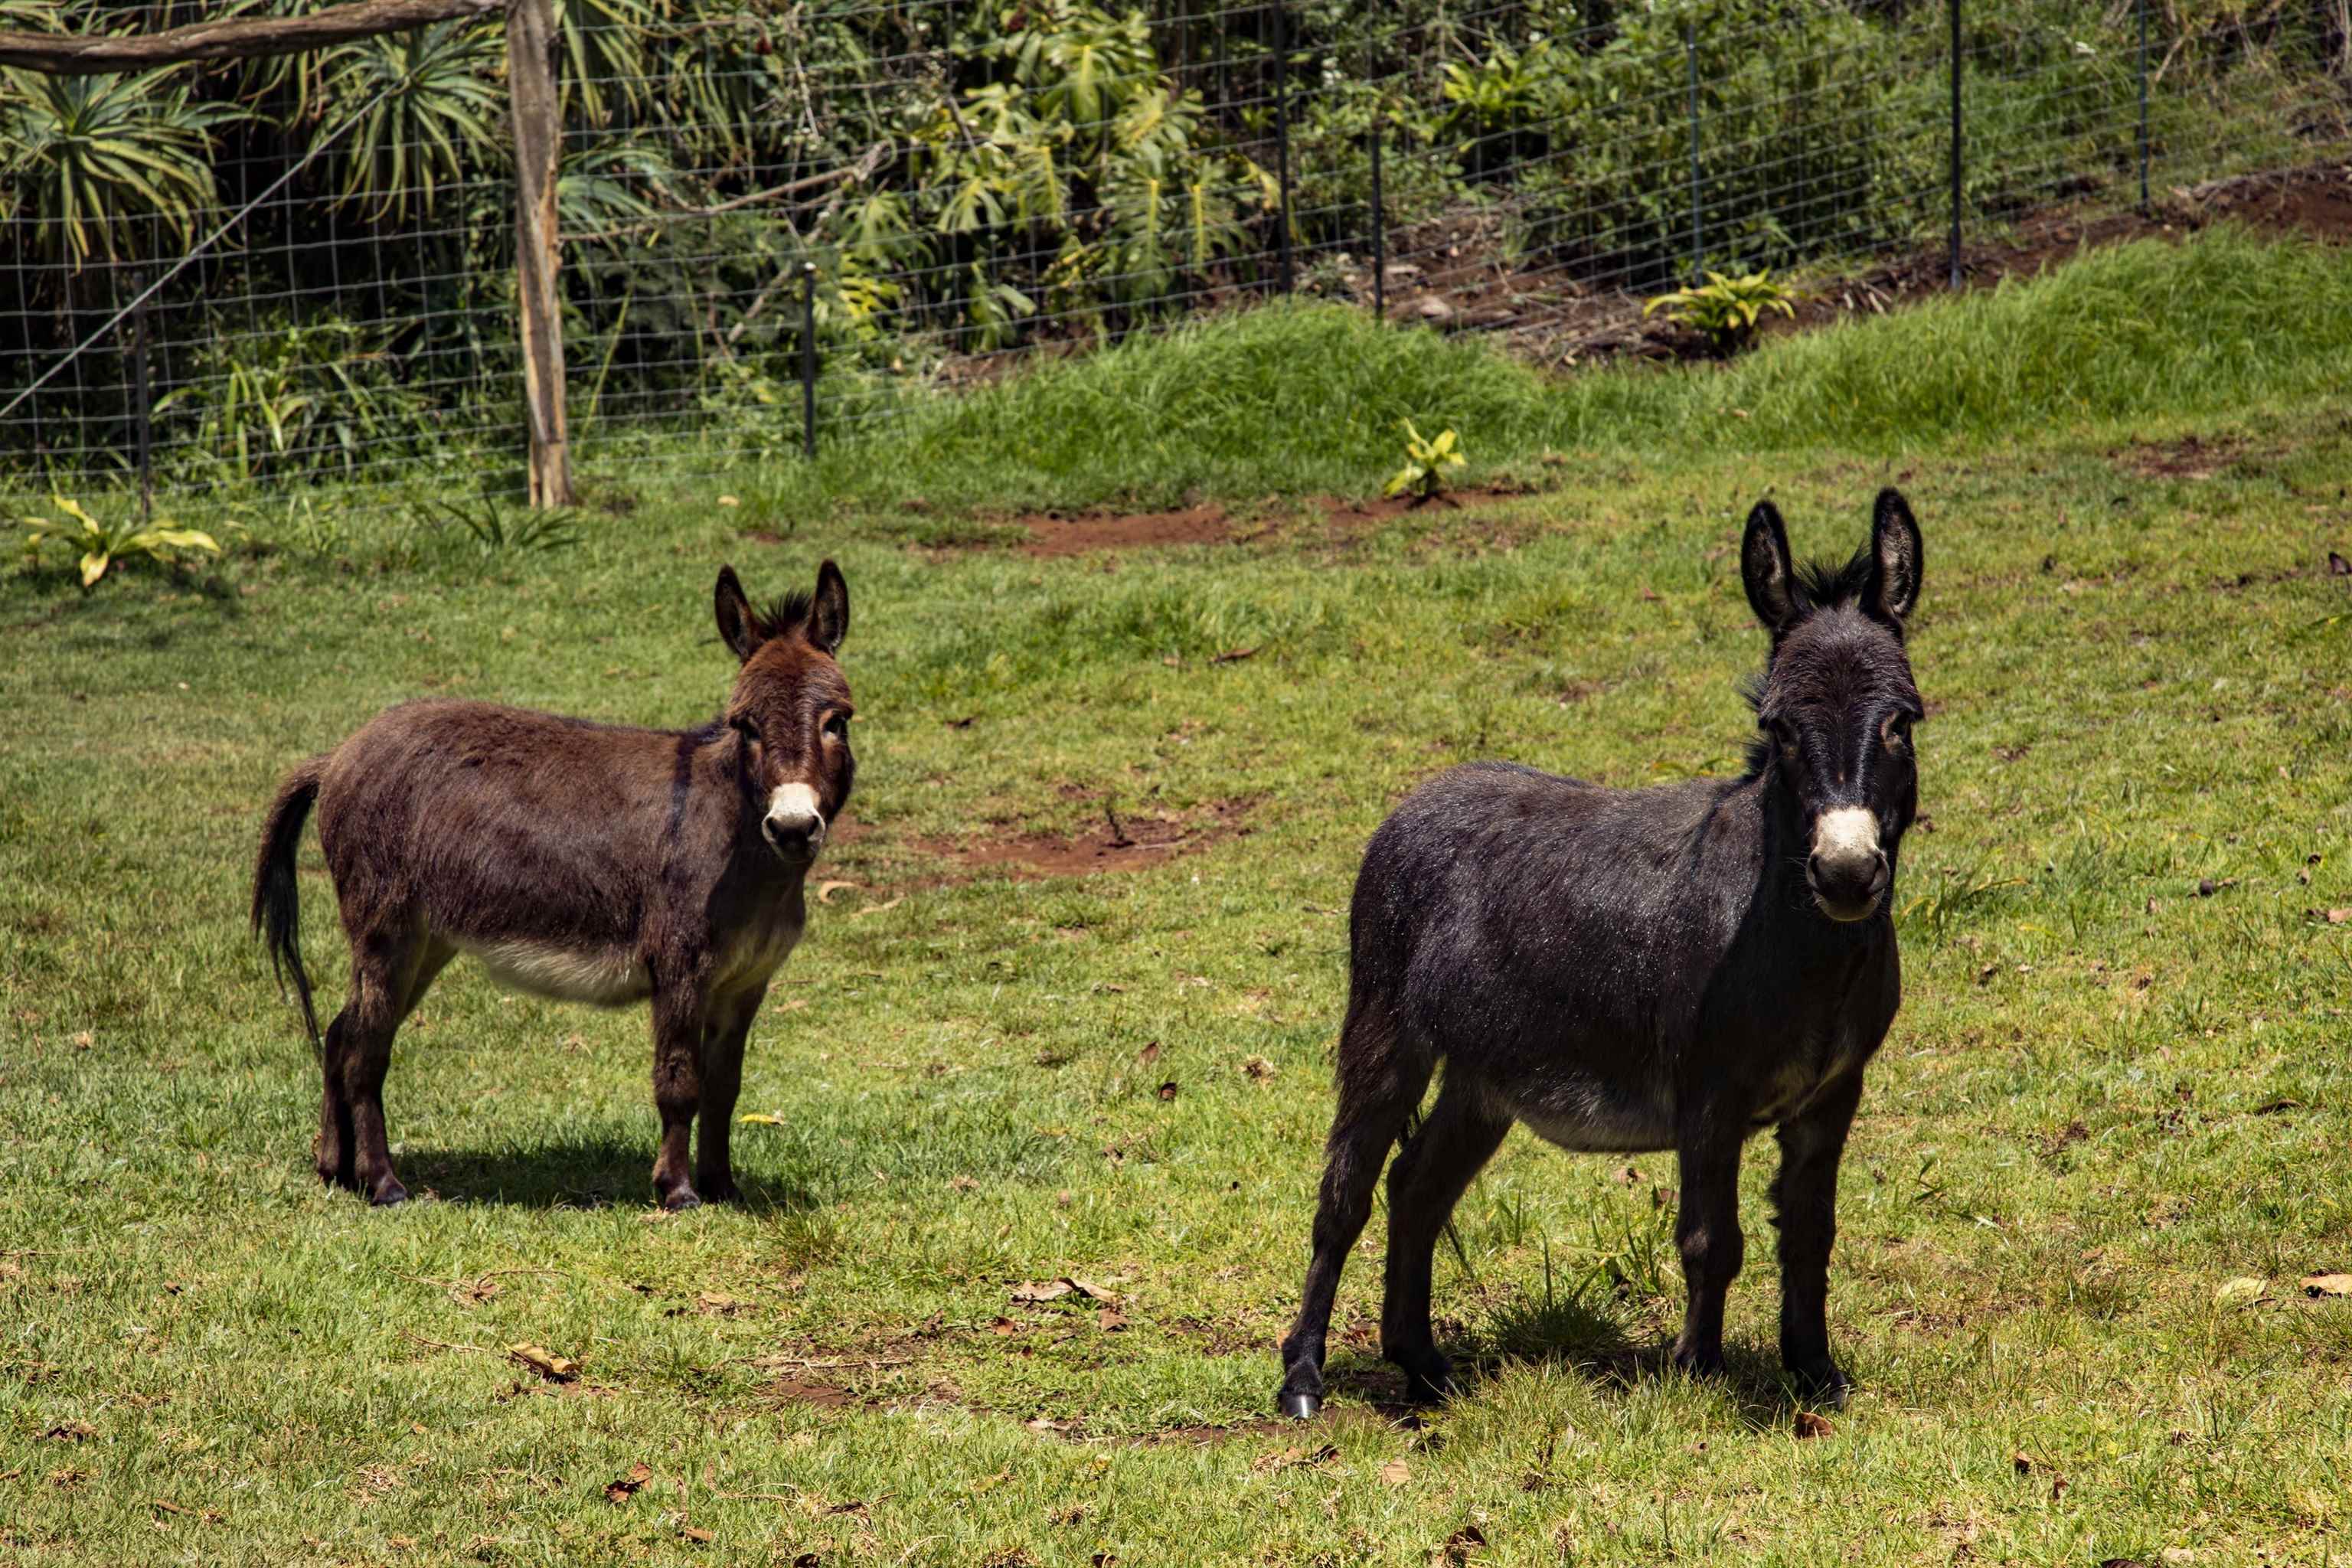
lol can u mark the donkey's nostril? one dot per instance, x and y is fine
(795, 834)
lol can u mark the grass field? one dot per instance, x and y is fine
(2108, 1136)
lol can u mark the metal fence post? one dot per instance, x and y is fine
(1954, 7)
(2142, 7)
(808, 360)
(1698, 200)
(140, 399)
(1282, 132)
(1380, 231)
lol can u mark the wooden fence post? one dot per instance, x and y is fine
(538, 135)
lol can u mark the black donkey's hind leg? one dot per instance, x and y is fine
(1380, 1083)
(1427, 1179)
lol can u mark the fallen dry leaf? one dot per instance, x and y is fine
(825, 890)
(1047, 1425)
(1043, 1290)
(2327, 1284)
(2245, 1288)
(1069, 1285)
(70, 1432)
(1168, 1089)
(628, 1486)
(1258, 1067)
(1110, 1319)
(712, 1304)
(546, 1363)
(963, 1185)
(1003, 1326)
(759, 1119)
(1149, 1053)
(697, 1534)
(1396, 1472)
(1234, 656)
(1811, 1425)
(2022, 1462)
(878, 908)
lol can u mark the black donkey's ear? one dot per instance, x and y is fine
(1894, 560)
(1766, 571)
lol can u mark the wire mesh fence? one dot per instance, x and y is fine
(889, 200)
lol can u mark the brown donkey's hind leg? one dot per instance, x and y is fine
(1381, 1081)
(390, 973)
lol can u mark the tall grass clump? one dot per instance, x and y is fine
(1291, 398)
(2224, 319)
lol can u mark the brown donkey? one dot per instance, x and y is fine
(583, 861)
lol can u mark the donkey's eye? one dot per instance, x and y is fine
(1896, 733)
(837, 726)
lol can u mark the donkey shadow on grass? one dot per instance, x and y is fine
(590, 1171)
(1573, 1333)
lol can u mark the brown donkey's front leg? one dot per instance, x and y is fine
(722, 1081)
(678, 1026)
(1706, 1227)
(1804, 1196)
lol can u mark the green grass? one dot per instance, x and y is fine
(2107, 1096)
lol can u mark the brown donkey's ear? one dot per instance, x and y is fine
(738, 627)
(1765, 569)
(828, 620)
(1894, 560)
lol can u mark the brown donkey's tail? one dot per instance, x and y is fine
(277, 910)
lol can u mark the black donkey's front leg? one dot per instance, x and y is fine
(1804, 1197)
(1706, 1226)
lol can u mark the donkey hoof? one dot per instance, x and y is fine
(388, 1192)
(1824, 1383)
(1301, 1407)
(1428, 1379)
(681, 1200)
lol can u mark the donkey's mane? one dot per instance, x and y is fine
(1825, 584)
(785, 613)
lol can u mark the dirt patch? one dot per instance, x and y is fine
(800, 1391)
(2190, 458)
(1054, 534)
(886, 864)
(1122, 843)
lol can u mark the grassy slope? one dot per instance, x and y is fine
(2106, 1095)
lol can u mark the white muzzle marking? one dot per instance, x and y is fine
(792, 814)
(1845, 836)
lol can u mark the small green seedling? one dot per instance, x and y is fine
(1724, 311)
(102, 546)
(1423, 474)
